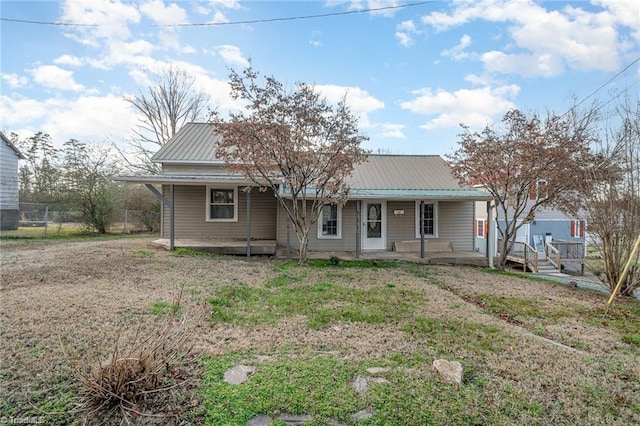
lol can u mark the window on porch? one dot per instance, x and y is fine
(222, 204)
(330, 222)
(430, 220)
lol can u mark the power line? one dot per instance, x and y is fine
(252, 21)
(601, 87)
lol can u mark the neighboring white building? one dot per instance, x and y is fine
(9, 156)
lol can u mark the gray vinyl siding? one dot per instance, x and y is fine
(346, 243)
(455, 225)
(191, 210)
(401, 227)
(8, 177)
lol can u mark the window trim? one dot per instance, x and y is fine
(338, 235)
(209, 204)
(481, 228)
(435, 219)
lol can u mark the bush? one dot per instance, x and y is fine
(122, 386)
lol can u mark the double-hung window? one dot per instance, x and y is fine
(429, 220)
(330, 222)
(222, 204)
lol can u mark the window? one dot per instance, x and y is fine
(577, 228)
(481, 228)
(538, 190)
(329, 223)
(430, 221)
(222, 204)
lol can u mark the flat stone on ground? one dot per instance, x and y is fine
(238, 374)
(363, 414)
(295, 420)
(360, 384)
(260, 420)
(450, 371)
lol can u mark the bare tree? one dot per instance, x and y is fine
(529, 164)
(612, 202)
(293, 142)
(165, 107)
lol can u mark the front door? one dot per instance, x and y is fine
(374, 232)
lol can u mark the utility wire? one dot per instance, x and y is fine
(601, 87)
(252, 21)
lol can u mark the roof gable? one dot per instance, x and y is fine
(12, 146)
(403, 172)
(193, 143)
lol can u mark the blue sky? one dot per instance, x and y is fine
(411, 74)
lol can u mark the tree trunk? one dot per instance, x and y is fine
(303, 239)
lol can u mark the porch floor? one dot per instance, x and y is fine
(258, 247)
(269, 248)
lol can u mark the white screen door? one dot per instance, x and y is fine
(374, 225)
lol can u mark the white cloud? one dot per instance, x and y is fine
(359, 100)
(457, 52)
(548, 40)
(227, 4)
(87, 118)
(72, 61)
(391, 131)
(405, 32)
(164, 15)
(473, 107)
(377, 4)
(15, 81)
(546, 65)
(54, 77)
(232, 55)
(368, 4)
(106, 19)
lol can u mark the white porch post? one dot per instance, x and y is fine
(491, 234)
(421, 225)
(248, 190)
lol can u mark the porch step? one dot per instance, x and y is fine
(544, 266)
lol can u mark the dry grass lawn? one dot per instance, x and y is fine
(63, 304)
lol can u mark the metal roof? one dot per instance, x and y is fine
(183, 180)
(421, 194)
(403, 172)
(193, 143)
(388, 176)
(12, 146)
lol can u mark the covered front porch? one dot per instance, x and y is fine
(270, 248)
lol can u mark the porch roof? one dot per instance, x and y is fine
(184, 179)
(421, 194)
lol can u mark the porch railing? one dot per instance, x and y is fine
(524, 254)
(566, 252)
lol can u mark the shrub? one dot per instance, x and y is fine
(134, 372)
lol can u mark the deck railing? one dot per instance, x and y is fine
(524, 254)
(566, 252)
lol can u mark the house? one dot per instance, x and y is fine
(9, 156)
(202, 201)
(550, 226)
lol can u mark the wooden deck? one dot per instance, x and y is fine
(269, 248)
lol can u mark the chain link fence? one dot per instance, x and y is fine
(53, 220)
